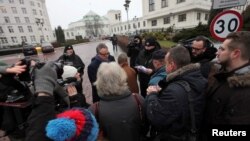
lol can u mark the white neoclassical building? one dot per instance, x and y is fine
(24, 20)
(158, 15)
(91, 25)
(162, 14)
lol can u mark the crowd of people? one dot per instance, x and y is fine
(175, 94)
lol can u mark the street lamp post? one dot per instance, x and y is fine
(135, 19)
(126, 5)
(40, 23)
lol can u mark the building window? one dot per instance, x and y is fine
(27, 20)
(33, 38)
(14, 39)
(20, 28)
(21, 1)
(164, 3)
(24, 10)
(23, 38)
(151, 5)
(72, 34)
(125, 27)
(198, 16)
(129, 26)
(17, 19)
(34, 11)
(38, 4)
(1, 29)
(3, 9)
(11, 30)
(7, 19)
(11, 1)
(206, 17)
(180, 1)
(144, 23)
(41, 12)
(14, 10)
(30, 29)
(32, 3)
(67, 34)
(139, 25)
(154, 22)
(121, 28)
(4, 40)
(166, 20)
(182, 18)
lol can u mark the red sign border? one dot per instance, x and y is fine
(218, 16)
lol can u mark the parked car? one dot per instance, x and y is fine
(29, 49)
(47, 47)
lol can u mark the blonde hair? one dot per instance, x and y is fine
(111, 80)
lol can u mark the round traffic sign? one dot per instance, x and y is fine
(225, 23)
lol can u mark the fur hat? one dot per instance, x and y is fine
(68, 71)
(73, 124)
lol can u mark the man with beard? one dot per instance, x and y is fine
(228, 94)
(203, 52)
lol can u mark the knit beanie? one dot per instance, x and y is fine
(68, 71)
(76, 124)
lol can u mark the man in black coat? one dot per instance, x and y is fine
(102, 56)
(203, 52)
(167, 105)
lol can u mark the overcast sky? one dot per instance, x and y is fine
(63, 12)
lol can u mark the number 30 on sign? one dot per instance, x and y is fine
(225, 23)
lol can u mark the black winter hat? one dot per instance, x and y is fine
(68, 47)
(150, 42)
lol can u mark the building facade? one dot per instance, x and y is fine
(91, 25)
(24, 21)
(159, 15)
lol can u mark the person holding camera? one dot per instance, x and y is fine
(71, 82)
(70, 58)
(134, 48)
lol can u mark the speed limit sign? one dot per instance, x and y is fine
(225, 23)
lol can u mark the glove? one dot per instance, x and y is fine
(141, 69)
(45, 79)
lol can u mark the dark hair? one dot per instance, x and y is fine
(99, 47)
(159, 54)
(180, 56)
(240, 40)
(205, 41)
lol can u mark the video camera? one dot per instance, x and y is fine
(28, 75)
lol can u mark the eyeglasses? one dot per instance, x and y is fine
(104, 54)
(197, 49)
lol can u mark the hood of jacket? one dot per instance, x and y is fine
(190, 73)
(240, 78)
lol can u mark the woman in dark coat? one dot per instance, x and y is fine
(118, 110)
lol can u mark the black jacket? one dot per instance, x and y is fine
(73, 60)
(168, 110)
